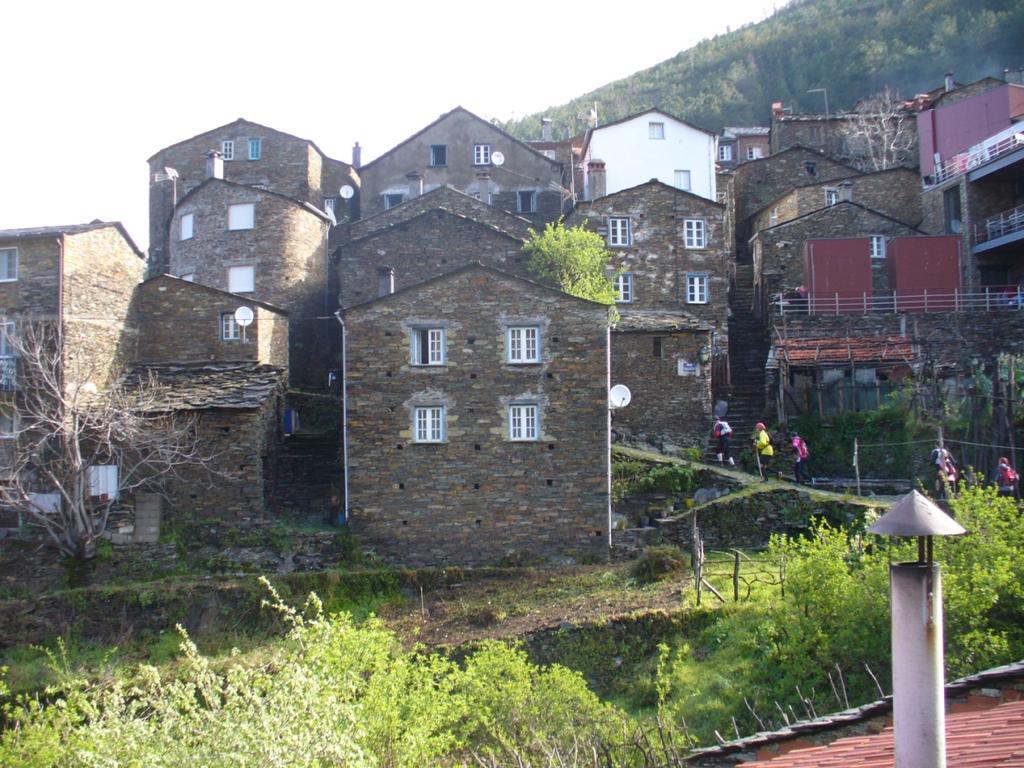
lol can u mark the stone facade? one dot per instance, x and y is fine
(466, 488)
(778, 251)
(285, 164)
(456, 150)
(426, 246)
(895, 192)
(183, 322)
(285, 245)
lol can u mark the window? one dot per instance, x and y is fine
(241, 279)
(658, 347)
(877, 246)
(481, 154)
(815, 136)
(428, 424)
(428, 346)
(8, 441)
(8, 355)
(227, 149)
(242, 216)
(693, 233)
(391, 199)
(438, 154)
(8, 264)
(385, 281)
(811, 168)
(696, 289)
(624, 288)
(229, 329)
(255, 149)
(523, 344)
(725, 152)
(656, 130)
(754, 153)
(329, 204)
(773, 217)
(951, 210)
(831, 197)
(522, 422)
(526, 201)
(186, 226)
(619, 231)
(683, 180)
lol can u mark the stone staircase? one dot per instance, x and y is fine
(748, 351)
(307, 482)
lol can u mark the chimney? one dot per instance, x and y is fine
(777, 109)
(415, 183)
(846, 191)
(214, 165)
(545, 129)
(357, 156)
(483, 180)
(598, 179)
(949, 82)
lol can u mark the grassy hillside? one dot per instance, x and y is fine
(851, 47)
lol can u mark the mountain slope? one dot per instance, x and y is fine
(851, 47)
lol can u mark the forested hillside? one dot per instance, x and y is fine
(851, 47)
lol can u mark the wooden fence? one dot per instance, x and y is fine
(744, 571)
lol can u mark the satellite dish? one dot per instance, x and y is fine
(243, 316)
(346, 192)
(619, 396)
(497, 158)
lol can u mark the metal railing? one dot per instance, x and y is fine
(8, 374)
(1005, 223)
(991, 148)
(990, 299)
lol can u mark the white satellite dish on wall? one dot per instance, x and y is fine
(619, 396)
(346, 192)
(497, 158)
(244, 316)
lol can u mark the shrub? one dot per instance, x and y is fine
(659, 561)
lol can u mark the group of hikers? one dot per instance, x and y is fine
(946, 470)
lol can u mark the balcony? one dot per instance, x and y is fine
(1006, 227)
(992, 148)
(997, 298)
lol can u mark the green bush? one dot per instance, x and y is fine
(659, 561)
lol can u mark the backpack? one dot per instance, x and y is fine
(725, 428)
(801, 449)
(1007, 476)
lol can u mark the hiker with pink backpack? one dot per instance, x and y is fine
(800, 454)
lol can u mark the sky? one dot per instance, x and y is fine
(95, 87)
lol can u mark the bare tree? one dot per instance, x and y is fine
(880, 133)
(72, 451)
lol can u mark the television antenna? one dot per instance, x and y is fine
(346, 192)
(619, 396)
(497, 158)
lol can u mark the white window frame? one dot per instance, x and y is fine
(620, 231)
(435, 346)
(773, 217)
(694, 234)
(725, 153)
(329, 204)
(227, 149)
(8, 355)
(390, 202)
(230, 330)
(433, 156)
(188, 222)
(623, 283)
(532, 207)
(524, 422)
(522, 344)
(481, 154)
(877, 247)
(255, 149)
(696, 288)
(754, 153)
(241, 216)
(237, 283)
(683, 179)
(656, 130)
(11, 258)
(428, 424)
(831, 197)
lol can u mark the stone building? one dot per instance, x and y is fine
(426, 237)
(474, 156)
(252, 155)
(477, 415)
(269, 247)
(645, 146)
(740, 144)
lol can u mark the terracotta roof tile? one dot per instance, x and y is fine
(863, 349)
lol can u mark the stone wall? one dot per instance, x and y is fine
(288, 248)
(36, 290)
(431, 244)
(181, 321)
(478, 496)
(459, 130)
(657, 256)
(668, 411)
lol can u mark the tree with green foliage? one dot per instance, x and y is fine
(574, 258)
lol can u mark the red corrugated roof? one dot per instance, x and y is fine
(990, 738)
(863, 349)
